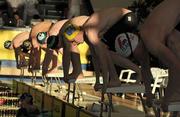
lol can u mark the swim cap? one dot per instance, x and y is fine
(26, 45)
(41, 37)
(7, 44)
(71, 31)
(52, 42)
(123, 47)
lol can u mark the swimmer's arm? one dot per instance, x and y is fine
(16, 52)
(34, 60)
(96, 65)
(94, 39)
(30, 61)
(66, 58)
(76, 63)
(37, 59)
(54, 62)
(47, 60)
(35, 53)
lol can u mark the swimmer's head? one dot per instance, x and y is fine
(26, 45)
(52, 42)
(7, 44)
(41, 37)
(71, 31)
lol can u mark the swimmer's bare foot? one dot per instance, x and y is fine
(113, 84)
(97, 86)
(53, 71)
(76, 76)
(68, 80)
(73, 79)
(65, 80)
(80, 76)
(23, 65)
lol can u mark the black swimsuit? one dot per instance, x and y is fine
(128, 23)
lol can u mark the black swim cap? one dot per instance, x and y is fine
(52, 42)
(26, 45)
(7, 44)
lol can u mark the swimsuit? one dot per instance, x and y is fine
(121, 37)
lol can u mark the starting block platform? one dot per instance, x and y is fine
(123, 88)
(127, 88)
(174, 106)
(86, 80)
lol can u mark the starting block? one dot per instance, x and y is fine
(71, 91)
(85, 80)
(22, 73)
(47, 83)
(34, 76)
(124, 88)
(174, 106)
(75, 82)
(127, 88)
(48, 78)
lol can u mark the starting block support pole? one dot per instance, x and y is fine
(68, 93)
(110, 105)
(73, 91)
(124, 88)
(143, 102)
(34, 75)
(110, 109)
(58, 81)
(22, 74)
(102, 104)
(47, 83)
